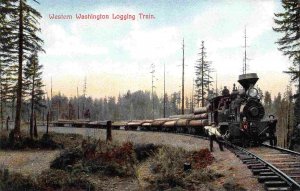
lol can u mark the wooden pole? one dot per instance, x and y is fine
(245, 58)
(108, 131)
(77, 104)
(202, 74)
(152, 72)
(182, 95)
(164, 90)
(47, 129)
(50, 117)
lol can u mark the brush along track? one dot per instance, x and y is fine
(267, 171)
(277, 168)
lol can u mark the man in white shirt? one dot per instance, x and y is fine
(214, 135)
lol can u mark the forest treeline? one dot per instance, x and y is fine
(135, 105)
(129, 106)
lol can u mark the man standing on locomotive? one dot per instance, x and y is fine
(272, 130)
(244, 131)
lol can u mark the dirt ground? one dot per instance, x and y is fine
(33, 162)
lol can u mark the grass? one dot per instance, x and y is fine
(47, 180)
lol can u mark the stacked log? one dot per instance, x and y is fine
(159, 122)
(147, 123)
(169, 124)
(135, 123)
(197, 123)
(201, 116)
(182, 122)
(200, 110)
(186, 116)
(118, 124)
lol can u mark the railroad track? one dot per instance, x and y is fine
(277, 168)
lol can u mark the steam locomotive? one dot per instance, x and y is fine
(229, 110)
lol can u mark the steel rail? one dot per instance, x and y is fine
(281, 149)
(292, 183)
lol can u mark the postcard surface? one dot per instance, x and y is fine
(149, 95)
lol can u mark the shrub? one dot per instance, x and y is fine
(116, 161)
(47, 142)
(15, 182)
(67, 157)
(144, 151)
(167, 168)
(7, 141)
(59, 179)
(53, 179)
(201, 158)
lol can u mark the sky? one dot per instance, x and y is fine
(116, 55)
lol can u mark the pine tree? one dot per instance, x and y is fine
(7, 55)
(268, 102)
(23, 20)
(203, 77)
(34, 85)
(288, 23)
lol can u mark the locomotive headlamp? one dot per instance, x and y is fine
(252, 92)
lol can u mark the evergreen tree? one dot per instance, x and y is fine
(34, 85)
(268, 102)
(203, 78)
(187, 104)
(288, 23)
(25, 25)
(7, 55)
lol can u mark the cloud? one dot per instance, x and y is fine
(60, 42)
(151, 44)
(224, 25)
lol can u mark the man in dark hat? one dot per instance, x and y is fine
(244, 128)
(272, 130)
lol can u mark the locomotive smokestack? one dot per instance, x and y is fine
(247, 80)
